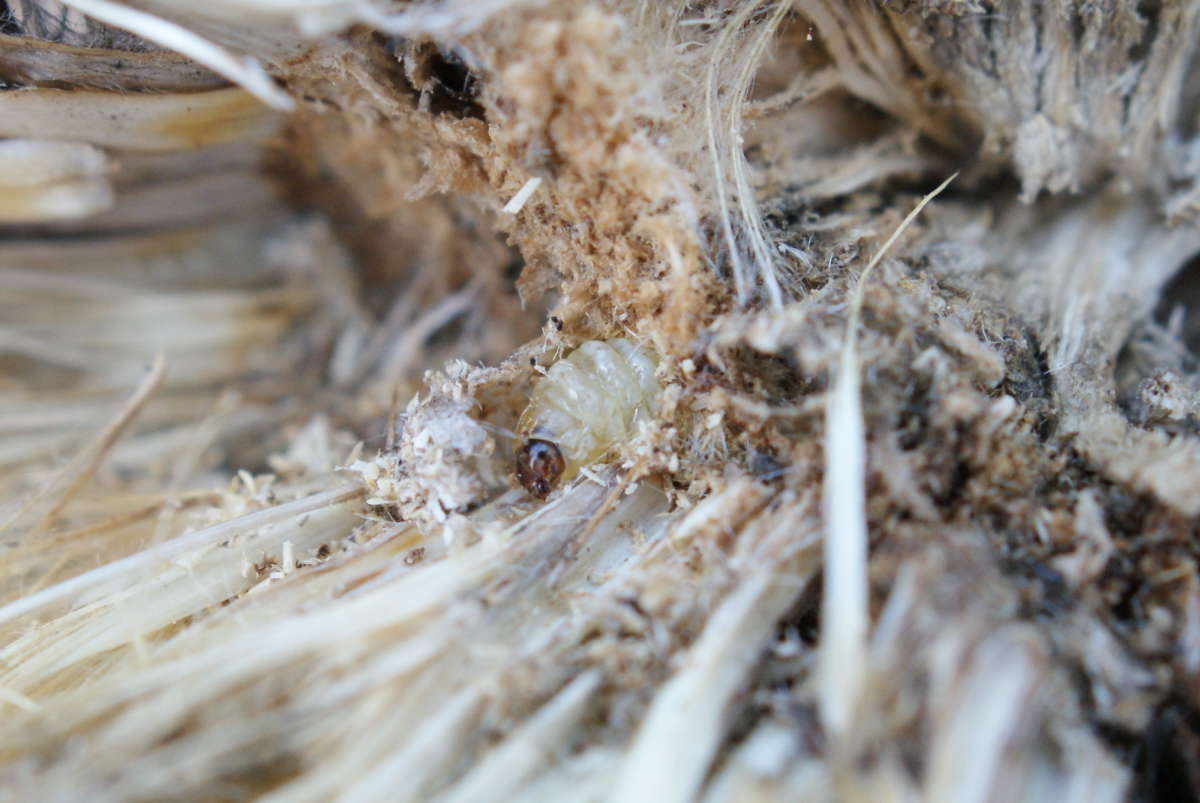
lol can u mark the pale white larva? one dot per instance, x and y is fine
(588, 401)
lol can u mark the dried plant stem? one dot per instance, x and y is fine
(76, 473)
(244, 72)
(844, 609)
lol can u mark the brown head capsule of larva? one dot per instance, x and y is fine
(539, 465)
(587, 402)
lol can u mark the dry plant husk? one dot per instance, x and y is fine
(272, 308)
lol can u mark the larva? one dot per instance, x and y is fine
(587, 401)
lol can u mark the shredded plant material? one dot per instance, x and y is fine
(903, 506)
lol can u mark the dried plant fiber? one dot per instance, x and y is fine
(894, 493)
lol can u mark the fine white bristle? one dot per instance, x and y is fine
(517, 202)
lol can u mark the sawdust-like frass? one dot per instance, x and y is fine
(285, 562)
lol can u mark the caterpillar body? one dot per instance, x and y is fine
(588, 401)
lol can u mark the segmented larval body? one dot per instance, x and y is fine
(588, 401)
